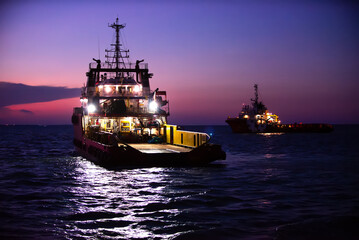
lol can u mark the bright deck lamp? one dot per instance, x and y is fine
(136, 89)
(108, 89)
(91, 108)
(153, 106)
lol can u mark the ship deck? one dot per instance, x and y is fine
(159, 148)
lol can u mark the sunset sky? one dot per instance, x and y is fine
(207, 55)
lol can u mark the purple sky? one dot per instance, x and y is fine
(304, 55)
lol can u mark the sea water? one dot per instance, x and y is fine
(272, 186)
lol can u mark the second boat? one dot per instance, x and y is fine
(255, 118)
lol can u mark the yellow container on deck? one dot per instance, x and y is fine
(184, 138)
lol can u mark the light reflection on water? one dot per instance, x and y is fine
(270, 134)
(123, 202)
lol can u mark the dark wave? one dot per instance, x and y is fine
(329, 228)
(93, 216)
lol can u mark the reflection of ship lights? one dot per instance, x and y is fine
(91, 108)
(153, 106)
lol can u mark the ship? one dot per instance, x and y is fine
(256, 118)
(122, 122)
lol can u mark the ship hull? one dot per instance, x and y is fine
(120, 154)
(114, 154)
(240, 125)
(128, 156)
(142, 154)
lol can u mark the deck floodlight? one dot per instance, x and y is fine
(91, 108)
(108, 89)
(153, 106)
(136, 89)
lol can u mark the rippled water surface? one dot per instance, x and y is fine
(283, 186)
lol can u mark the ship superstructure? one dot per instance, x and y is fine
(120, 111)
(256, 115)
(117, 96)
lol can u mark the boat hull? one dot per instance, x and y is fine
(240, 125)
(121, 154)
(127, 156)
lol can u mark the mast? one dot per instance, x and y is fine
(117, 58)
(256, 93)
(255, 100)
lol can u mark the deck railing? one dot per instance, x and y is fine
(93, 65)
